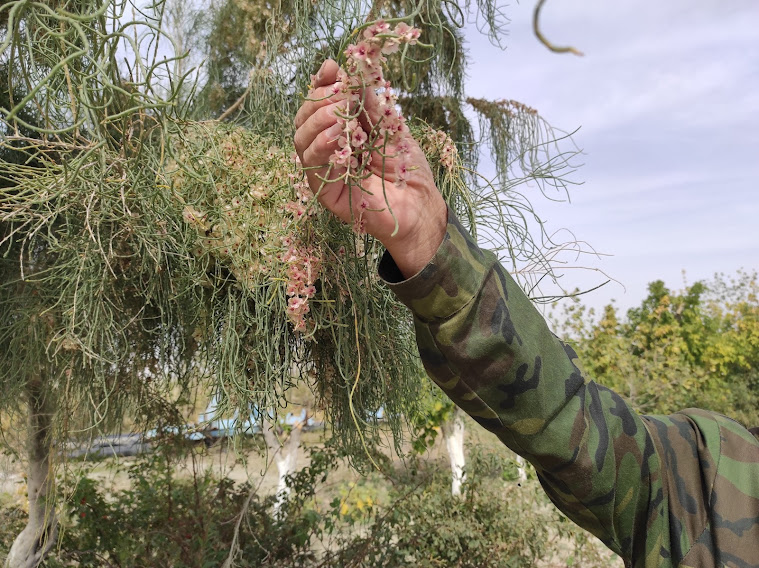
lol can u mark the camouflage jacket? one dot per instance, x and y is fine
(660, 491)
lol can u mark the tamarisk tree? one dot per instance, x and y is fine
(154, 224)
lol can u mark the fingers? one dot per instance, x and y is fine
(316, 138)
(326, 75)
(331, 194)
(319, 98)
(315, 141)
(325, 91)
(372, 113)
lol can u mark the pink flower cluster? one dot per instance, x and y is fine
(304, 264)
(437, 142)
(363, 70)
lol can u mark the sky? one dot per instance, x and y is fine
(667, 101)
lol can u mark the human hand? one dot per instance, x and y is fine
(418, 207)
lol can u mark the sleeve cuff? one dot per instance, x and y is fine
(448, 282)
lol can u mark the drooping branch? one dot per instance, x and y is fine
(542, 38)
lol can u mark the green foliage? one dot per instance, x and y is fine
(122, 285)
(434, 412)
(107, 299)
(162, 519)
(491, 526)
(12, 522)
(693, 348)
(254, 49)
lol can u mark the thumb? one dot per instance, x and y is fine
(373, 111)
(326, 75)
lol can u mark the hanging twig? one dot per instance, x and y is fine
(542, 38)
(227, 113)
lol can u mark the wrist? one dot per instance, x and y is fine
(412, 252)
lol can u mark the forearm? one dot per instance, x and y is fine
(487, 347)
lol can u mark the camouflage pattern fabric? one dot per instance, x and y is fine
(660, 491)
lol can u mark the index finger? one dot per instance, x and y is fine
(318, 98)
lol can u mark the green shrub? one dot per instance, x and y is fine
(161, 520)
(497, 523)
(408, 518)
(12, 522)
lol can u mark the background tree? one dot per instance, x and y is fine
(241, 41)
(144, 243)
(692, 348)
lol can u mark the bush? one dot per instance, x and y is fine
(164, 521)
(12, 522)
(413, 520)
(497, 523)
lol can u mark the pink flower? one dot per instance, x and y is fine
(403, 147)
(387, 98)
(341, 156)
(358, 226)
(407, 33)
(377, 28)
(359, 137)
(388, 112)
(366, 54)
(357, 52)
(297, 305)
(296, 208)
(401, 169)
(391, 45)
(377, 80)
(373, 55)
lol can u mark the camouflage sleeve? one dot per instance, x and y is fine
(608, 469)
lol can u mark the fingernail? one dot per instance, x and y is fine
(319, 72)
(334, 131)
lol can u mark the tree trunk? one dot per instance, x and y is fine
(38, 537)
(521, 468)
(453, 432)
(285, 455)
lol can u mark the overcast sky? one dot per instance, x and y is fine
(667, 98)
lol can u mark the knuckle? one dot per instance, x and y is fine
(298, 139)
(311, 156)
(325, 113)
